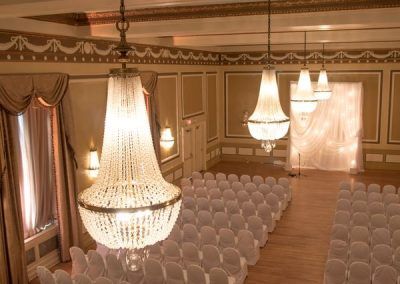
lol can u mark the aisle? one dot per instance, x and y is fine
(296, 251)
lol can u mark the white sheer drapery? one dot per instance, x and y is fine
(329, 138)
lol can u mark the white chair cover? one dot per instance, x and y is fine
(79, 262)
(189, 203)
(208, 236)
(204, 218)
(232, 207)
(396, 259)
(175, 234)
(102, 249)
(201, 192)
(374, 197)
(223, 185)
(344, 205)
(174, 273)
(381, 255)
(190, 254)
(359, 206)
(190, 234)
(232, 178)
(220, 177)
(390, 198)
(96, 266)
(197, 175)
(257, 180)
(210, 184)
(396, 239)
(394, 223)
(360, 219)
(209, 176)
(247, 247)
(171, 251)
(81, 278)
(378, 221)
(359, 186)
(229, 195)
(359, 234)
(248, 209)
(255, 225)
(237, 186)
(135, 276)
(250, 187)
(188, 217)
(340, 232)
(359, 273)
(232, 264)
(271, 181)
(103, 280)
(226, 238)
(203, 204)
(273, 202)
(335, 273)
(45, 276)
(215, 193)
(376, 208)
(242, 196)
(265, 213)
(237, 223)
(188, 191)
(198, 183)
(279, 191)
(115, 272)
(392, 210)
(245, 179)
(389, 188)
(185, 182)
(344, 194)
(342, 217)
(196, 275)
(264, 189)
(211, 257)
(384, 274)
(218, 276)
(338, 250)
(380, 236)
(373, 187)
(359, 252)
(345, 185)
(359, 195)
(62, 277)
(154, 252)
(217, 205)
(153, 272)
(257, 198)
(221, 220)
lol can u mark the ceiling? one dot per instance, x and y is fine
(220, 25)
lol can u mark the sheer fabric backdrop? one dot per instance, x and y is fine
(329, 138)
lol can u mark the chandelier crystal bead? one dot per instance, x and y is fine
(323, 90)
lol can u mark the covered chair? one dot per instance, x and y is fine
(273, 202)
(232, 207)
(248, 247)
(188, 217)
(174, 273)
(190, 234)
(359, 207)
(257, 198)
(376, 208)
(233, 264)
(344, 205)
(340, 232)
(378, 221)
(171, 252)
(392, 210)
(360, 219)
(226, 238)
(374, 197)
(237, 186)
(250, 187)
(232, 178)
(228, 195)
(215, 193)
(196, 275)
(373, 187)
(96, 266)
(185, 182)
(342, 217)
(224, 185)
(359, 272)
(257, 180)
(380, 236)
(188, 191)
(62, 277)
(221, 220)
(265, 213)
(201, 192)
(264, 189)
(219, 276)
(189, 203)
(359, 252)
(248, 209)
(220, 177)
(237, 223)
(271, 181)
(211, 257)
(345, 185)
(208, 236)
(204, 218)
(197, 175)
(359, 186)
(389, 188)
(79, 262)
(115, 271)
(190, 254)
(396, 259)
(279, 191)
(217, 205)
(359, 195)
(384, 274)
(390, 198)
(242, 196)
(344, 194)
(209, 176)
(396, 239)
(176, 234)
(394, 223)
(45, 276)
(359, 234)
(245, 179)
(202, 204)
(198, 183)
(286, 185)
(381, 255)
(260, 231)
(338, 250)
(210, 184)
(154, 252)
(335, 272)
(153, 272)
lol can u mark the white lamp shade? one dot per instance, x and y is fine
(323, 91)
(130, 205)
(268, 121)
(94, 164)
(167, 141)
(303, 100)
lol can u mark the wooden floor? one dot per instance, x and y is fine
(296, 251)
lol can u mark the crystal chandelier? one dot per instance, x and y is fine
(130, 205)
(323, 91)
(303, 100)
(268, 122)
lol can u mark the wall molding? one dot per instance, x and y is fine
(391, 106)
(202, 111)
(216, 114)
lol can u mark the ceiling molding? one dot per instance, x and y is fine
(23, 47)
(216, 10)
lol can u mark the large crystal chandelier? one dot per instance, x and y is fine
(323, 91)
(268, 122)
(303, 100)
(130, 205)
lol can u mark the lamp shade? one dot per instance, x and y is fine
(323, 91)
(167, 141)
(268, 122)
(303, 100)
(93, 163)
(130, 205)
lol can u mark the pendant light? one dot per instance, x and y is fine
(303, 100)
(268, 122)
(323, 91)
(130, 206)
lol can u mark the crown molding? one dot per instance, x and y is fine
(22, 47)
(216, 10)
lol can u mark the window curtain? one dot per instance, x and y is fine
(330, 138)
(149, 82)
(36, 172)
(16, 93)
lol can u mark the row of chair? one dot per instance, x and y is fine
(373, 187)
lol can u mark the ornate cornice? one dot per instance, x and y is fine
(15, 46)
(217, 10)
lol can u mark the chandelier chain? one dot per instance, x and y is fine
(269, 35)
(323, 55)
(305, 48)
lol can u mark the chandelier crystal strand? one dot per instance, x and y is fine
(268, 122)
(303, 100)
(323, 90)
(130, 206)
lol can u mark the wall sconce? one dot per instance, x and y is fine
(167, 141)
(245, 118)
(94, 164)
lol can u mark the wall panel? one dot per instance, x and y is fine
(394, 108)
(192, 94)
(212, 118)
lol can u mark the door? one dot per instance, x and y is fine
(199, 148)
(187, 151)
